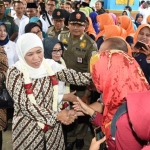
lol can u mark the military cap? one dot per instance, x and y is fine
(31, 5)
(58, 14)
(77, 17)
(1, 3)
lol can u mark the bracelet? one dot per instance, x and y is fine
(93, 116)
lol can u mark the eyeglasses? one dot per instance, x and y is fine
(51, 5)
(38, 32)
(56, 51)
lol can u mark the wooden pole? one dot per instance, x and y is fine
(128, 2)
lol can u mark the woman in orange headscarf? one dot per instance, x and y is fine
(103, 19)
(142, 56)
(115, 74)
(113, 30)
(89, 28)
(148, 20)
(126, 23)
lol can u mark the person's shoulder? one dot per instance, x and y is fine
(88, 38)
(51, 27)
(13, 71)
(65, 32)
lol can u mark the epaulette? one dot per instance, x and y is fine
(89, 38)
(65, 32)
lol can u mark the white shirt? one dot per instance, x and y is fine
(145, 13)
(10, 49)
(50, 18)
(26, 21)
(17, 20)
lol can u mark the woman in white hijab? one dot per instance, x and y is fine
(32, 83)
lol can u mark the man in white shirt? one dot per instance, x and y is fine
(50, 7)
(19, 16)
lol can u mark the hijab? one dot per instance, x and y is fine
(136, 18)
(4, 42)
(93, 16)
(7, 11)
(127, 24)
(48, 44)
(115, 74)
(103, 19)
(31, 25)
(148, 19)
(138, 30)
(113, 30)
(114, 17)
(25, 43)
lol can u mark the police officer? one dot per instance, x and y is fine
(78, 50)
(58, 18)
(9, 21)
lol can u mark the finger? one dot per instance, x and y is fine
(102, 140)
(74, 92)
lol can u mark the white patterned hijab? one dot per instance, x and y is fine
(25, 43)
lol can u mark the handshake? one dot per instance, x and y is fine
(67, 116)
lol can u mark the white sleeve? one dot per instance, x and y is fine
(44, 25)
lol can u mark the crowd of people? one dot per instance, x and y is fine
(69, 68)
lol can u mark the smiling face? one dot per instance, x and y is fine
(34, 57)
(144, 35)
(57, 52)
(3, 32)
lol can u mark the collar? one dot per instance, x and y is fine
(81, 37)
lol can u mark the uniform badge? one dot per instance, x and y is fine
(64, 41)
(80, 60)
(83, 44)
(58, 13)
(78, 16)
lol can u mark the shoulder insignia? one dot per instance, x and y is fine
(83, 44)
(65, 41)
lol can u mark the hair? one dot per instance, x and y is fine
(43, 10)
(129, 8)
(17, 2)
(7, 1)
(68, 3)
(102, 3)
(116, 43)
(52, 1)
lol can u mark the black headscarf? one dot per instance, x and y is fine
(31, 25)
(48, 44)
(4, 42)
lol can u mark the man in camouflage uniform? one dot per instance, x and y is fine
(12, 27)
(79, 48)
(58, 18)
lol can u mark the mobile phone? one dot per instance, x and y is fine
(99, 135)
(139, 45)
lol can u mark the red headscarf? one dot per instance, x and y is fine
(113, 30)
(90, 29)
(138, 30)
(127, 24)
(115, 74)
(103, 19)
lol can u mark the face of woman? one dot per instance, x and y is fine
(3, 32)
(124, 13)
(57, 52)
(140, 19)
(34, 57)
(36, 30)
(98, 6)
(144, 35)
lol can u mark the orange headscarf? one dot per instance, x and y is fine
(138, 30)
(90, 29)
(113, 30)
(103, 19)
(127, 24)
(115, 74)
(148, 19)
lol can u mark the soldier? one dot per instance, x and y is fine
(9, 21)
(58, 18)
(79, 48)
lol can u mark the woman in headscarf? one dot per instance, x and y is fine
(34, 28)
(32, 83)
(138, 19)
(142, 55)
(113, 30)
(148, 20)
(103, 19)
(115, 74)
(126, 23)
(89, 30)
(114, 17)
(99, 8)
(93, 16)
(38, 21)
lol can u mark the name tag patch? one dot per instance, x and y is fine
(80, 60)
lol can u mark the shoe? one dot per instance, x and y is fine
(70, 146)
(79, 144)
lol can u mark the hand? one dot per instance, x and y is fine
(96, 144)
(146, 50)
(70, 97)
(91, 87)
(81, 106)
